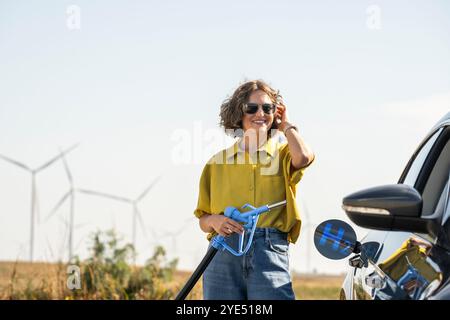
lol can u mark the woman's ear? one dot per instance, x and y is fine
(275, 122)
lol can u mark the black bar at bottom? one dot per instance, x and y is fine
(197, 274)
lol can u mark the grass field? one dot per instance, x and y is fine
(48, 281)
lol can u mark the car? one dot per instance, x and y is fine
(406, 253)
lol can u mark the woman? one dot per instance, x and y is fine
(258, 169)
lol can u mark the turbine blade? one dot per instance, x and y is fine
(65, 222)
(186, 222)
(52, 256)
(105, 195)
(182, 228)
(80, 225)
(15, 162)
(141, 222)
(52, 160)
(66, 167)
(78, 245)
(154, 234)
(56, 207)
(143, 194)
(166, 234)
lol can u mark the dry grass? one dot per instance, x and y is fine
(22, 277)
(49, 280)
(317, 287)
(306, 286)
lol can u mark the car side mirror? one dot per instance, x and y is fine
(394, 207)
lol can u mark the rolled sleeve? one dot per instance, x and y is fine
(204, 194)
(293, 175)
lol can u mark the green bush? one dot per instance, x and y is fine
(109, 272)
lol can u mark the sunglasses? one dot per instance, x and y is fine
(252, 108)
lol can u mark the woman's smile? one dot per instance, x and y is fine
(260, 122)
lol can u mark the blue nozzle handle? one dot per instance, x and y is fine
(249, 220)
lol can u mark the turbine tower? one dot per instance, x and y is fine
(308, 225)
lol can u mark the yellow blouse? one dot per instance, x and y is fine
(233, 177)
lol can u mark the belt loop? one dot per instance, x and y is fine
(266, 230)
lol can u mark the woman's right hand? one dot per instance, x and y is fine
(224, 225)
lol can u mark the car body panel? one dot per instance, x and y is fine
(408, 265)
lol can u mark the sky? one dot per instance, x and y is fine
(131, 82)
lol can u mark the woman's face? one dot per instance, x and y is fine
(259, 121)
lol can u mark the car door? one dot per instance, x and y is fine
(405, 265)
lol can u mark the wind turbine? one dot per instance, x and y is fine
(173, 235)
(136, 214)
(34, 199)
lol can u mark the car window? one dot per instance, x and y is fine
(444, 202)
(436, 182)
(420, 157)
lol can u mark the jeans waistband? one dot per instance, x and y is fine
(268, 230)
(270, 233)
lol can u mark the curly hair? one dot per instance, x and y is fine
(232, 109)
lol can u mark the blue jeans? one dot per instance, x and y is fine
(261, 274)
